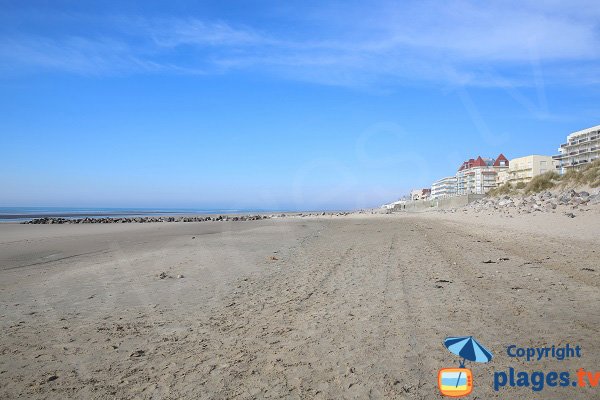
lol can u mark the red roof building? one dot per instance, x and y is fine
(479, 175)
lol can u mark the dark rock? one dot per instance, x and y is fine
(595, 199)
(137, 353)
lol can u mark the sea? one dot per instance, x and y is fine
(20, 214)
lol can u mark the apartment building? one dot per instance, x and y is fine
(523, 169)
(581, 148)
(444, 187)
(502, 176)
(420, 194)
(480, 175)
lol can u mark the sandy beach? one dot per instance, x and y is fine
(320, 307)
(299, 200)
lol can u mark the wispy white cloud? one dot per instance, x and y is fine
(173, 32)
(72, 54)
(501, 31)
(456, 43)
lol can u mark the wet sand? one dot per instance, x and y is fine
(332, 307)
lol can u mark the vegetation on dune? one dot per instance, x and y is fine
(542, 182)
(589, 175)
(502, 190)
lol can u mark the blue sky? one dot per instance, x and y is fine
(281, 105)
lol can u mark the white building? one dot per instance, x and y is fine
(581, 148)
(390, 206)
(444, 187)
(420, 194)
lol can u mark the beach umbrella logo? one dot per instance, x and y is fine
(458, 382)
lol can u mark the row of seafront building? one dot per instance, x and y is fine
(474, 176)
(479, 175)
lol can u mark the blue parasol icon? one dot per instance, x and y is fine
(467, 348)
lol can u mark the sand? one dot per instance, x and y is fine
(332, 307)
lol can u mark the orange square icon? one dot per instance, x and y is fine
(455, 382)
